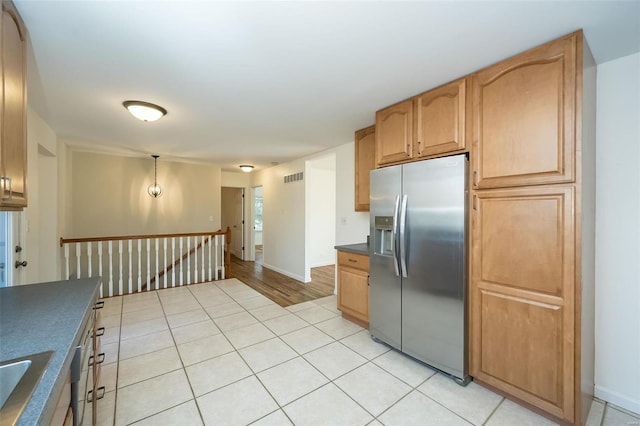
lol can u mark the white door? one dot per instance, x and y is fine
(233, 217)
(11, 252)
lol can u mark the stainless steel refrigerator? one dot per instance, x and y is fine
(418, 258)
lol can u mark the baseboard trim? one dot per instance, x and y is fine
(615, 398)
(283, 272)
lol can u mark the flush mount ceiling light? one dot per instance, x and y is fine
(155, 190)
(246, 168)
(144, 111)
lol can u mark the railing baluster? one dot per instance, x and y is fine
(120, 291)
(165, 261)
(148, 264)
(222, 269)
(188, 260)
(173, 256)
(78, 254)
(139, 266)
(195, 258)
(215, 266)
(130, 246)
(66, 261)
(89, 258)
(110, 268)
(181, 263)
(100, 267)
(157, 286)
(203, 249)
(210, 244)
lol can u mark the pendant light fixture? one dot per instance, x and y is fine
(155, 190)
(145, 111)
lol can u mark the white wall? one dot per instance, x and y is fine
(41, 216)
(617, 368)
(283, 216)
(236, 179)
(352, 227)
(284, 211)
(320, 199)
(109, 196)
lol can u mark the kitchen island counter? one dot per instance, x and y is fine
(45, 317)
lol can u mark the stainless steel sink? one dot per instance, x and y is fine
(18, 379)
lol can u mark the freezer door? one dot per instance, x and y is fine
(384, 281)
(433, 293)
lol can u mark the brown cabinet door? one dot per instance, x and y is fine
(353, 292)
(524, 118)
(365, 152)
(522, 294)
(394, 133)
(440, 119)
(13, 146)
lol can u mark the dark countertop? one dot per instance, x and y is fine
(45, 317)
(362, 248)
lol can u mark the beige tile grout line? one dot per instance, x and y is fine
(280, 407)
(255, 374)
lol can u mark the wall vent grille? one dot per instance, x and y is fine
(293, 178)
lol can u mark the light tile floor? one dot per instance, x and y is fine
(223, 354)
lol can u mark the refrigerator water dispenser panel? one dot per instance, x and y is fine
(383, 235)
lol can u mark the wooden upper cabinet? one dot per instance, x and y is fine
(365, 154)
(13, 142)
(524, 118)
(522, 300)
(394, 133)
(440, 119)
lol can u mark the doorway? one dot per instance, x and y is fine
(10, 249)
(258, 225)
(233, 217)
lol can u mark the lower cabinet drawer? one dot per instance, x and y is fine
(353, 260)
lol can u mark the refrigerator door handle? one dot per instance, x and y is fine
(403, 239)
(394, 236)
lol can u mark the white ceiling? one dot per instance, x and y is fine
(263, 82)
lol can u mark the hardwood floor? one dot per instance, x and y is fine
(281, 289)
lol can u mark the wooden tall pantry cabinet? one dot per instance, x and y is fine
(528, 125)
(532, 226)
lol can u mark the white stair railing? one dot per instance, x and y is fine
(139, 260)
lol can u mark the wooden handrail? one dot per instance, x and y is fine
(64, 241)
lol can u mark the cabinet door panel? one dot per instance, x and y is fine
(394, 133)
(365, 152)
(523, 118)
(513, 331)
(522, 294)
(441, 119)
(523, 241)
(13, 145)
(353, 295)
